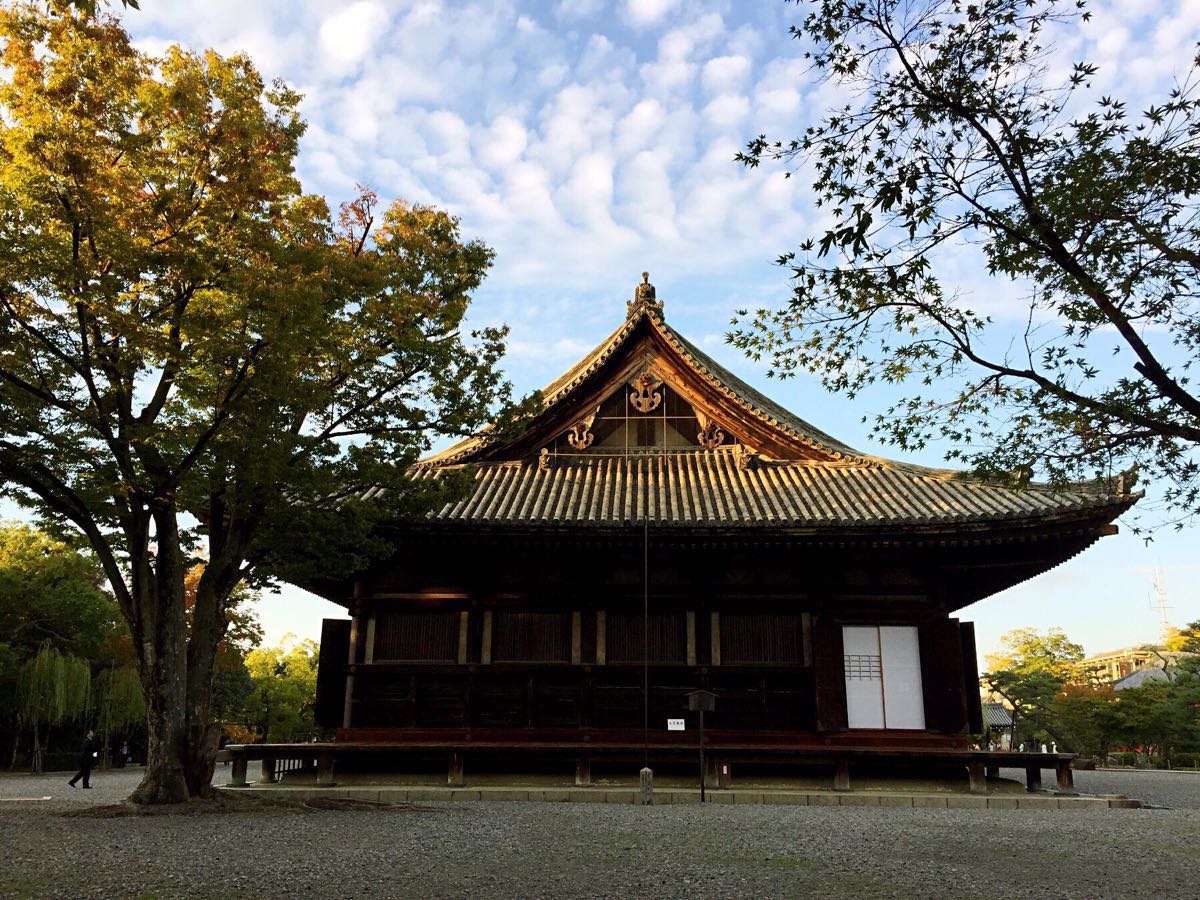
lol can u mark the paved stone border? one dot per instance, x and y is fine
(669, 796)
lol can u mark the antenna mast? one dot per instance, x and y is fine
(1160, 601)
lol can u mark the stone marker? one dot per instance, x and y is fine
(646, 781)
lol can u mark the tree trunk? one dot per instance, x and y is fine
(162, 661)
(208, 627)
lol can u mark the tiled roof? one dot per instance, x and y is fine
(997, 715)
(1140, 678)
(709, 488)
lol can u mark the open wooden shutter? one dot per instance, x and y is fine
(331, 673)
(829, 675)
(966, 632)
(942, 676)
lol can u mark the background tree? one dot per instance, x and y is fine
(53, 688)
(956, 137)
(285, 690)
(187, 337)
(1086, 719)
(49, 591)
(1163, 718)
(118, 705)
(1026, 651)
(52, 598)
(1030, 672)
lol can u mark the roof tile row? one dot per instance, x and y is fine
(709, 488)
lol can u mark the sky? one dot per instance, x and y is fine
(587, 141)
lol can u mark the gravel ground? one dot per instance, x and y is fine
(578, 850)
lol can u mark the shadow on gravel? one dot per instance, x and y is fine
(224, 804)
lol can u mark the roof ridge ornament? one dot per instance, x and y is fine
(644, 300)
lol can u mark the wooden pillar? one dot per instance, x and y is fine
(576, 638)
(992, 771)
(356, 624)
(237, 773)
(485, 653)
(267, 776)
(716, 639)
(369, 649)
(806, 627)
(325, 768)
(1066, 776)
(691, 637)
(454, 775)
(583, 771)
(1033, 778)
(464, 625)
(601, 638)
(975, 771)
(841, 774)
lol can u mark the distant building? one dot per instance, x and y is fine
(1140, 678)
(1116, 665)
(999, 721)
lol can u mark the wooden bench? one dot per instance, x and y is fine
(980, 764)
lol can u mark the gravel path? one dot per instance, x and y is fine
(584, 850)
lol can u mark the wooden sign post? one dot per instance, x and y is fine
(702, 702)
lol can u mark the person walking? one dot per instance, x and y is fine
(87, 759)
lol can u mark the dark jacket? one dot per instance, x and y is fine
(87, 754)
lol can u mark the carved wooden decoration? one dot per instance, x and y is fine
(580, 436)
(711, 435)
(646, 397)
(544, 460)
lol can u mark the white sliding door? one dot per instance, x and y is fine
(903, 697)
(883, 677)
(864, 677)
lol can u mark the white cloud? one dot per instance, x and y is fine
(578, 9)
(502, 143)
(348, 35)
(726, 73)
(727, 110)
(647, 12)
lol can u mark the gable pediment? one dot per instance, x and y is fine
(642, 391)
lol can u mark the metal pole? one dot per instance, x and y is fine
(646, 642)
(702, 778)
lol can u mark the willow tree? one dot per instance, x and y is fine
(185, 336)
(963, 144)
(54, 688)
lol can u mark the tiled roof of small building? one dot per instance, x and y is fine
(1140, 678)
(997, 715)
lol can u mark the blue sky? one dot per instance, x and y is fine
(587, 141)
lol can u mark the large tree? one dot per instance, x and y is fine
(186, 337)
(963, 142)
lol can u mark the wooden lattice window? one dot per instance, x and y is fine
(668, 637)
(618, 428)
(531, 637)
(748, 638)
(416, 636)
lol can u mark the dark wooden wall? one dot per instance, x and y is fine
(488, 632)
